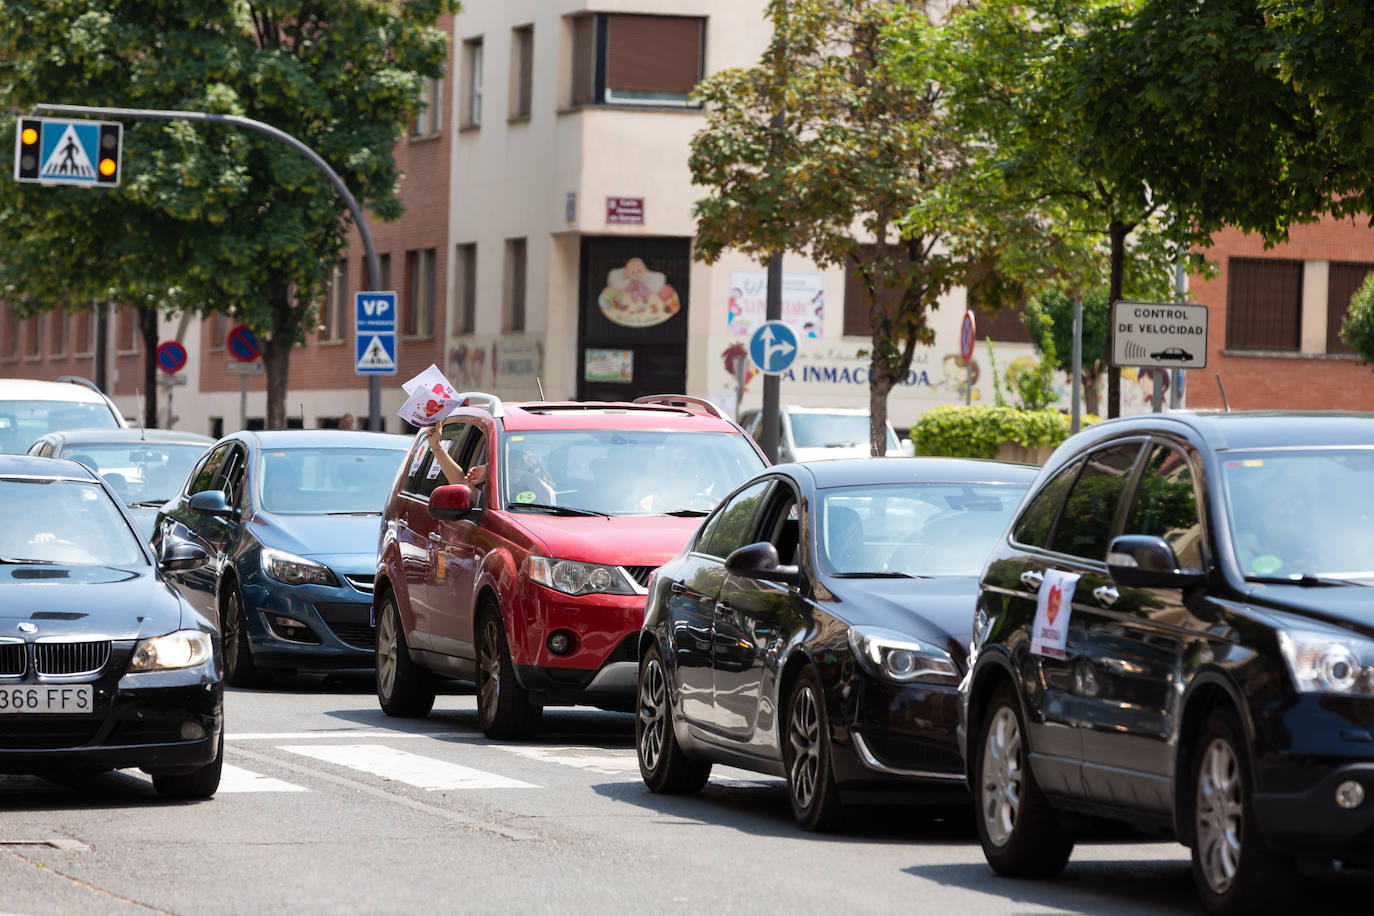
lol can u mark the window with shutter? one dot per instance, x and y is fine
(1263, 304)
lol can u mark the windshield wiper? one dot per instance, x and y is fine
(350, 513)
(147, 504)
(1306, 580)
(688, 513)
(877, 574)
(557, 510)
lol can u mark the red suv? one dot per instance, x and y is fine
(532, 583)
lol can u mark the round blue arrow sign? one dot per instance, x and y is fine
(773, 347)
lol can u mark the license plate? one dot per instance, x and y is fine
(75, 698)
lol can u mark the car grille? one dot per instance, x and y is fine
(640, 574)
(85, 657)
(12, 659)
(42, 732)
(905, 753)
(351, 623)
(361, 583)
(627, 651)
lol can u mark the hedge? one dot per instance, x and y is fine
(956, 431)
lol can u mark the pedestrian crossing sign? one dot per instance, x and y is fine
(59, 151)
(376, 354)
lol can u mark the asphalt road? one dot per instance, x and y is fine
(327, 806)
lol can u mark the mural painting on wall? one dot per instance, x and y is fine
(803, 308)
(637, 297)
(477, 363)
(954, 375)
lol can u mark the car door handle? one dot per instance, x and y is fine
(434, 536)
(402, 523)
(1032, 579)
(1106, 595)
(723, 608)
(677, 588)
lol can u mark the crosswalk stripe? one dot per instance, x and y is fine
(402, 766)
(233, 779)
(339, 733)
(619, 763)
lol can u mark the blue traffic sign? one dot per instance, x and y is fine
(374, 321)
(171, 357)
(773, 347)
(242, 344)
(57, 151)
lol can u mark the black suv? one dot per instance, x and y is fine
(1177, 632)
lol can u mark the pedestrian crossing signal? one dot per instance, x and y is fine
(58, 151)
(26, 156)
(109, 153)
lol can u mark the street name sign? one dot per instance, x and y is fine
(62, 151)
(374, 321)
(242, 368)
(773, 347)
(1169, 335)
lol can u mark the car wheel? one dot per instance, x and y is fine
(1017, 826)
(404, 689)
(806, 753)
(504, 709)
(201, 783)
(239, 669)
(1234, 869)
(666, 768)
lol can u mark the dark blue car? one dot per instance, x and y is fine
(290, 519)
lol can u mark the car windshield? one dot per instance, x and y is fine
(832, 430)
(138, 471)
(1295, 512)
(328, 481)
(21, 422)
(624, 472)
(65, 522)
(914, 529)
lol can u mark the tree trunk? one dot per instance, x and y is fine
(276, 356)
(879, 386)
(147, 329)
(1090, 381)
(1117, 232)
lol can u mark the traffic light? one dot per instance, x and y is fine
(26, 150)
(107, 166)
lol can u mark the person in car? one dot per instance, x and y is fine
(453, 473)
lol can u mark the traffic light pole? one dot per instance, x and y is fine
(374, 273)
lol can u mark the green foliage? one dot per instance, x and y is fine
(1358, 328)
(1034, 387)
(978, 431)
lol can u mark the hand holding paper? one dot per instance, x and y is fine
(431, 397)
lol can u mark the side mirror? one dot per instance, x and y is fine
(760, 561)
(450, 502)
(1142, 561)
(211, 502)
(178, 556)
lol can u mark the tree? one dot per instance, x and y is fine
(824, 148)
(1049, 318)
(211, 218)
(1357, 330)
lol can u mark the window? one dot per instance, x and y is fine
(1264, 304)
(1090, 509)
(429, 120)
(383, 273)
(472, 67)
(515, 285)
(204, 476)
(335, 317)
(420, 293)
(730, 529)
(636, 60)
(33, 337)
(1341, 283)
(9, 335)
(1034, 526)
(857, 302)
(57, 331)
(465, 287)
(521, 72)
(87, 330)
(1166, 506)
(218, 329)
(126, 331)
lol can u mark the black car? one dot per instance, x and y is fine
(816, 628)
(1176, 632)
(1177, 353)
(102, 665)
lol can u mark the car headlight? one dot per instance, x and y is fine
(1327, 662)
(182, 649)
(294, 570)
(897, 657)
(575, 578)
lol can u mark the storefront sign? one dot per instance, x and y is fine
(637, 297)
(625, 210)
(803, 302)
(609, 366)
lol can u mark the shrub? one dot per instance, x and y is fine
(1358, 328)
(955, 431)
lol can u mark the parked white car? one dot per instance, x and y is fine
(30, 409)
(809, 433)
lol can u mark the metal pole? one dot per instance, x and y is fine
(1076, 382)
(1181, 292)
(243, 402)
(772, 383)
(374, 273)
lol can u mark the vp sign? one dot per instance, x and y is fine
(374, 320)
(773, 347)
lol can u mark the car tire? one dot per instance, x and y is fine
(1017, 826)
(663, 764)
(201, 783)
(504, 707)
(1234, 869)
(806, 754)
(404, 689)
(239, 667)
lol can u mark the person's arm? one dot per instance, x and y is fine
(452, 471)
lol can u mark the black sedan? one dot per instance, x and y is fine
(1176, 633)
(816, 628)
(102, 665)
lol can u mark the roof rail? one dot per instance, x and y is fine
(78, 380)
(671, 399)
(490, 401)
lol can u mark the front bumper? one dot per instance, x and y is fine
(602, 669)
(1311, 823)
(336, 626)
(899, 737)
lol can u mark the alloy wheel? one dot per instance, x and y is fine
(1001, 776)
(489, 671)
(1220, 815)
(387, 651)
(804, 734)
(229, 633)
(652, 714)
